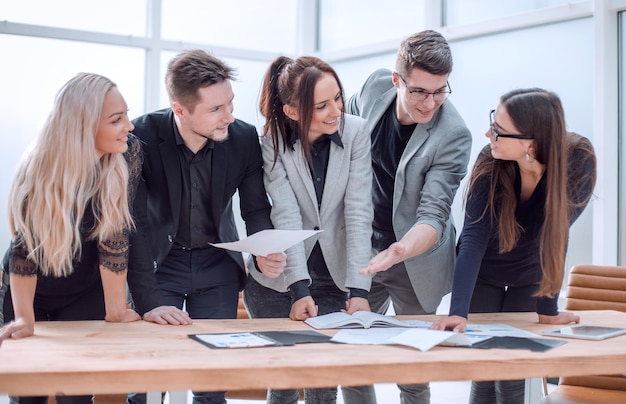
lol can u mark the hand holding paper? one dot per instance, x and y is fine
(268, 241)
(272, 265)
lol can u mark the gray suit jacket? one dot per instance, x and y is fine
(428, 176)
(345, 214)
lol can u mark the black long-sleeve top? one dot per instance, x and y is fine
(478, 248)
(111, 254)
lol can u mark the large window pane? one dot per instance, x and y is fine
(33, 71)
(464, 12)
(353, 73)
(268, 25)
(621, 229)
(351, 23)
(111, 16)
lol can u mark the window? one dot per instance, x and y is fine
(465, 12)
(268, 25)
(31, 81)
(113, 16)
(352, 23)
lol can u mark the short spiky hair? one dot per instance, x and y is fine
(191, 70)
(427, 50)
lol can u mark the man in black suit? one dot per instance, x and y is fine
(196, 156)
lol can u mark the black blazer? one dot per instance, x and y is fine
(237, 166)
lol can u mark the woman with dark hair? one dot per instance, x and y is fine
(526, 189)
(317, 171)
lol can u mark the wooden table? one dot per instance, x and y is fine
(85, 357)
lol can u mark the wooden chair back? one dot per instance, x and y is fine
(593, 287)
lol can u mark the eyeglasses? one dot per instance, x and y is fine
(495, 134)
(421, 95)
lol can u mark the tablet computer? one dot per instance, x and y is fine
(593, 332)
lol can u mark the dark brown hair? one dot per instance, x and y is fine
(292, 82)
(539, 113)
(428, 51)
(191, 70)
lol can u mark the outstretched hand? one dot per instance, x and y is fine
(386, 259)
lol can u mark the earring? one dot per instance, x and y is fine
(529, 159)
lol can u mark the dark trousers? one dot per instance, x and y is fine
(204, 282)
(86, 306)
(3, 289)
(492, 297)
(59, 400)
(391, 287)
(264, 302)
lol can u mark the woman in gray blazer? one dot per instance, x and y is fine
(317, 171)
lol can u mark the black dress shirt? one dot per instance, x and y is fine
(196, 227)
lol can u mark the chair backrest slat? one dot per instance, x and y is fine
(596, 287)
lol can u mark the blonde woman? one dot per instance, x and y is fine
(69, 215)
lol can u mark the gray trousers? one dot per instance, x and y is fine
(391, 287)
(264, 302)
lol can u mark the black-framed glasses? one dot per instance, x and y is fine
(421, 95)
(495, 134)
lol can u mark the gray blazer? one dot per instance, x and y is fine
(430, 170)
(345, 214)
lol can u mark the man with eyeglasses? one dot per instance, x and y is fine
(420, 151)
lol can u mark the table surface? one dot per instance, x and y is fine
(85, 357)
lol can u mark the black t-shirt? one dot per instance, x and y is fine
(389, 139)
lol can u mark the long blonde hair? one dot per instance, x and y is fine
(62, 175)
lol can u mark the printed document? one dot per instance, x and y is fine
(268, 241)
(361, 319)
(419, 338)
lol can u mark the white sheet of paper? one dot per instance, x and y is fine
(418, 338)
(268, 241)
(366, 336)
(422, 339)
(499, 330)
